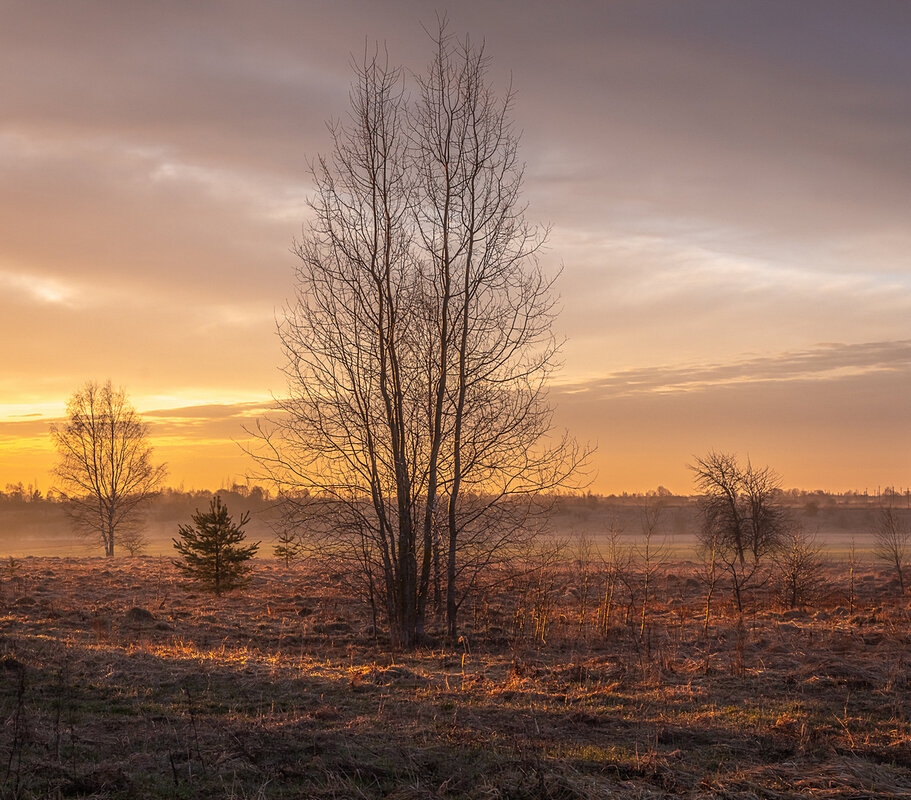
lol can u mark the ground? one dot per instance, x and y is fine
(119, 680)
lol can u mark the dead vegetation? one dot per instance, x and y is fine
(119, 681)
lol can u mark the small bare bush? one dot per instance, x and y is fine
(613, 570)
(892, 542)
(798, 568)
(650, 557)
(133, 540)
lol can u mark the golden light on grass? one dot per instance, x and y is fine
(201, 692)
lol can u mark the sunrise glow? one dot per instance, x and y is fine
(728, 202)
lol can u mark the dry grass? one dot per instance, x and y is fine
(282, 691)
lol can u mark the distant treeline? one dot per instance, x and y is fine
(37, 524)
(258, 497)
(32, 523)
(795, 498)
(17, 494)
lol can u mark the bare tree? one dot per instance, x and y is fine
(615, 561)
(132, 538)
(105, 468)
(892, 541)
(493, 310)
(419, 345)
(707, 571)
(798, 567)
(743, 520)
(650, 555)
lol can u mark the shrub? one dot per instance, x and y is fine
(798, 575)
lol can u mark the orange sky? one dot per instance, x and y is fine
(728, 192)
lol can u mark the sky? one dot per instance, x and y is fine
(727, 186)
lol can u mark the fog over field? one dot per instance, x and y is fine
(42, 528)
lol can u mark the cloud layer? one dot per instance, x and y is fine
(720, 179)
(833, 417)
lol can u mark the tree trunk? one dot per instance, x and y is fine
(452, 608)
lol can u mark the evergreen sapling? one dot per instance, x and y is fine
(212, 550)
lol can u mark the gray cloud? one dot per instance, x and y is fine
(204, 421)
(827, 362)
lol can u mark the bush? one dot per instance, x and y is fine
(212, 551)
(798, 574)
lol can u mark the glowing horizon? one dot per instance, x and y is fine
(201, 441)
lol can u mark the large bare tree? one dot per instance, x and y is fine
(105, 468)
(419, 344)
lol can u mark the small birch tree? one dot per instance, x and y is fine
(105, 468)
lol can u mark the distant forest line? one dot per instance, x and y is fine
(16, 494)
(32, 523)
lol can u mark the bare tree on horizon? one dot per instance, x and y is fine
(105, 467)
(743, 519)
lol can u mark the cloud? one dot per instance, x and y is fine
(37, 288)
(830, 417)
(208, 410)
(182, 427)
(206, 422)
(826, 362)
(131, 219)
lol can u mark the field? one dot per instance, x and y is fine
(118, 680)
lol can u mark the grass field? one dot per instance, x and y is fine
(118, 681)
